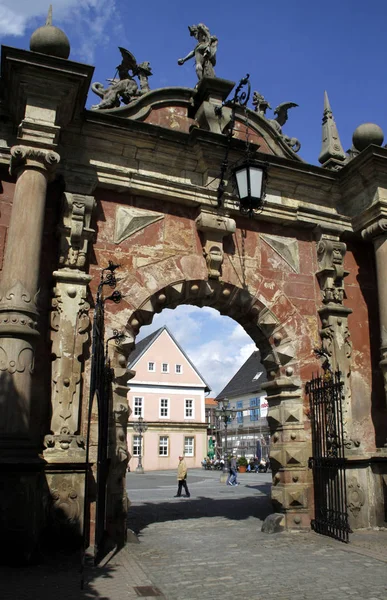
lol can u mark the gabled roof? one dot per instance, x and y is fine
(210, 402)
(246, 380)
(143, 345)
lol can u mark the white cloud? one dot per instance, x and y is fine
(182, 322)
(215, 344)
(92, 21)
(238, 334)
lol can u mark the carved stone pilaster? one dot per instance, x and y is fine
(70, 331)
(70, 326)
(214, 227)
(117, 499)
(23, 157)
(335, 337)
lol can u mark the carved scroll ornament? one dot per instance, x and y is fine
(38, 158)
(376, 229)
(75, 230)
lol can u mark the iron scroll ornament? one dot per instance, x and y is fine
(240, 98)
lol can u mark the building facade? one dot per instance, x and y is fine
(248, 432)
(169, 394)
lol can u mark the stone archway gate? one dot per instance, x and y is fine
(140, 188)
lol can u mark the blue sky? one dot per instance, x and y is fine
(293, 52)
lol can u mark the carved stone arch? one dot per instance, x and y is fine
(248, 310)
(274, 325)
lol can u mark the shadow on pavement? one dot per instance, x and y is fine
(259, 507)
(57, 575)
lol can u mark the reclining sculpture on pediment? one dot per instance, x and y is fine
(125, 89)
(281, 111)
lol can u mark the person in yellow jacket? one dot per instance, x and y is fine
(182, 478)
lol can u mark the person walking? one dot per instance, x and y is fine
(182, 478)
(232, 478)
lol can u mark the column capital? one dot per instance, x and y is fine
(23, 157)
(376, 229)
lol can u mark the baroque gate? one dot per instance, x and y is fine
(146, 185)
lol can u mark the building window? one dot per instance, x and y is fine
(178, 369)
(254, 410)
(151, 367)
(188, 409)
(165, 368)
(163, 445)
(239, 415)
(189, 446)
(136, 445)
(164, 408)
(138, 407)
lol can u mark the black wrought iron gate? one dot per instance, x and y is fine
(100, 380)
(328, 461)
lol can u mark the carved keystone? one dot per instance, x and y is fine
(214, 228)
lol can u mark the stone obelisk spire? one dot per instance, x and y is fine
(49, 16)
(332, 155)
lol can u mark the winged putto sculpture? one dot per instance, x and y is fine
(125, 88)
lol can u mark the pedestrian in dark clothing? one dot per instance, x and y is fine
(182, 478)
(232, 478)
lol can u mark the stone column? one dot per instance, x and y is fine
(19, 288)
(21, 477)
(377, 232)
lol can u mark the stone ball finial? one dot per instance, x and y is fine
(50, 40)
(366, 134)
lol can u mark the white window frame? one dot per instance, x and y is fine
(192, 453)
(164, 437)
(135, 414)
(153, 369)
(165, 365)
(189, 408)
(161, 416)
(181, 369)
(136, 445)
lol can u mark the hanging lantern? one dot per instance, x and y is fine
(250, 180)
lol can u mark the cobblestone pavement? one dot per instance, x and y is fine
(210, 546)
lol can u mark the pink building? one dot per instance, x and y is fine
(169, 393)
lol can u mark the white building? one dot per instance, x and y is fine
(248, 432)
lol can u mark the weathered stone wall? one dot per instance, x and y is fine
(6, 196)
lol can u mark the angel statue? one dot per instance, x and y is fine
(204, 52)
(125, 89)
(282, 116)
